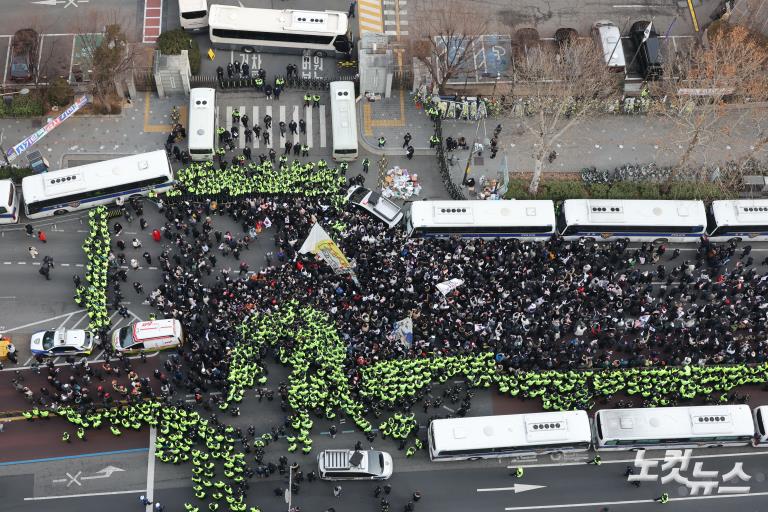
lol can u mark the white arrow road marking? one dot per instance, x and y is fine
(104, 473)
(52, 3)
(517, 488)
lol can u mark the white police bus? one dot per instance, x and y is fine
(202, 123)
(682, 427)
(86, 186)
(511, 218)
(739, 219)
(248, 30)
(9, 202)
(636, 219)
(486, 437)
(343, 120)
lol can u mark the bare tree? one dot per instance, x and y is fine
(562, 85)
(443, 38)
(111, 54)
(715, 90)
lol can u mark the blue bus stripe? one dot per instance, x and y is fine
(101, 198)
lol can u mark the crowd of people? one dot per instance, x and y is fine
(564, 321)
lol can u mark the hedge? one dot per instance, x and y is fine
(172, 42)
(23, 106)
(15, 173)
(560, 190)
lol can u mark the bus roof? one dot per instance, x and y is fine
(675, 422)
(202, 118)
(5, 191)
(143, 331)
(122, 170)
(740, 212)
(271, 20)
(632, 212)
(504, 212)
(510, 430)
(343, 115)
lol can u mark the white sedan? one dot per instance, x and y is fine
(377, 205)
(62, 342)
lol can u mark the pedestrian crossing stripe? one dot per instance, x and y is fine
(286, 114)
(370, 17)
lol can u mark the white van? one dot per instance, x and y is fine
(608, 39)
(9, 202)
(193, 15)
(148, 336)
(761, 424)
(354, 465)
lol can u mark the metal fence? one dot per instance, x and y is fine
(454, 191)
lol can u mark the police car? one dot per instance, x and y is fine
(62, 342)
(377, 205)
(354, 465)
(148, 336)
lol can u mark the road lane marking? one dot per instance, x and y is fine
(42, 321)
(322, 126)
(632, 502)
(86, 495)
(151, 469)
(61, 325)
(517, 488)
(66, 457)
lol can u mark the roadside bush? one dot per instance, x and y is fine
(15, 173)
(173, 41)
(23, 106)
(60, 93)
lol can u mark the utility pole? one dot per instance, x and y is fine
(471, 154)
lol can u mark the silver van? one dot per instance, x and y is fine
(608, 38)
(354, 465)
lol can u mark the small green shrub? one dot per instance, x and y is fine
(173, 41)
(23, 106)
(15, 173)
(60, 93)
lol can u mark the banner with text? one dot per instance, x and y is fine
(22, 146)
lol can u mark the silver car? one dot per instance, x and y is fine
(354, 465)
(376, 204)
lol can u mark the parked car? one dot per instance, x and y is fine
(62, 342)
(23, 53)
(354, 465)
(649, 57)
(377, 205)
(608, 38)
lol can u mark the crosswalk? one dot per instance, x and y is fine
(315, 117)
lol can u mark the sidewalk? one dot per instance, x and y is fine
(604, 142)
(141, 127)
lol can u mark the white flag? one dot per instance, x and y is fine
(448, 286)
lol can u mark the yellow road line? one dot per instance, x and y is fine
(369, 123)
(693, 16)
(161, 128)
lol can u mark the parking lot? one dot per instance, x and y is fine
(57, 56)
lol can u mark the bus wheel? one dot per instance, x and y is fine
(135, 197)
(736, 239)
(247, 49)
(660, 241)
(60, 212)
(475, 458)
(320, 53)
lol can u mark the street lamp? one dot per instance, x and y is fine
(23, 92)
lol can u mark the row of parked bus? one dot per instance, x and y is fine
(486, 437)
(600, 219)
